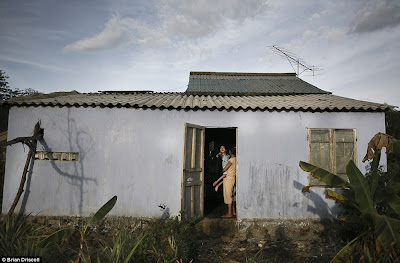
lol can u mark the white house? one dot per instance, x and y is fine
(154, 149)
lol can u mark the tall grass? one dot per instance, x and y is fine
(161, 240)
(17, 237)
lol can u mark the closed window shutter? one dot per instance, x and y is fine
(332, 149)
(320, 151)
(344, 151)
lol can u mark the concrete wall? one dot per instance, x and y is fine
(137, 155)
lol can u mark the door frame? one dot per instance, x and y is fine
(186, 124)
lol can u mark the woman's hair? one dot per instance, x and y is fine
(232, 149)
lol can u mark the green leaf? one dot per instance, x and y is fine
(393, 186)
(346, 250)
(133, 249)
(386, 229)
(56, 237)
(395, 147)
(374, 172)
(324, 176)
(361, 189)
(367, 253)
(394, 203)
(103, 211)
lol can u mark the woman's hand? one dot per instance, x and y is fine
(215, 183)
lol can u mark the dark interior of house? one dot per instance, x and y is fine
(215, 137)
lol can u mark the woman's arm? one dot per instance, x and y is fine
(226, 167)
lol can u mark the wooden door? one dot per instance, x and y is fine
(193, 171)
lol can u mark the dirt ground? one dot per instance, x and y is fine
(237, 250)
(286, 241)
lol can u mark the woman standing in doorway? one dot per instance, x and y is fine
(229, 179)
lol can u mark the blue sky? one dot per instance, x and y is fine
(153, 45)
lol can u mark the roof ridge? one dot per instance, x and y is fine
(240, 73)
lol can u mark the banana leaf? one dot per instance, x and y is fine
(374, 172)
(394, 203)
(354, 219)
(386, 229)
(324, 176)
(391, 198)
(396, 147)
(346, 250)
(56, 237)
(330, 194)
(392, 188)
(307, 188)
(103, 211)
(361, 189)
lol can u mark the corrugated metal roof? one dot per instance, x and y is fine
(260, 83)
(305, 102)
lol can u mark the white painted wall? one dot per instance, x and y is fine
(137, 155)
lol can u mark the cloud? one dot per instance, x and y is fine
(377, 16)
(117, 32)
(30, 63)
(175, 21)
(194, 19)
(315, 16)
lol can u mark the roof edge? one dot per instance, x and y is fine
(241, 73)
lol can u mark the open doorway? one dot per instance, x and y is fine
(215, 137)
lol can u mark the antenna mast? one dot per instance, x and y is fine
(292, 58)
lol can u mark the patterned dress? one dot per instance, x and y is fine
(225, 159)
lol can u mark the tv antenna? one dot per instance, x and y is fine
(293, 59)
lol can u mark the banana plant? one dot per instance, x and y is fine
(61, 234)
(364, 197)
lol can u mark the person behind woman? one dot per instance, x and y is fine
(229, 180)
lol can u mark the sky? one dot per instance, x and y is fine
(90, 46)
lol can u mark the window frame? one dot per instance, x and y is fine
(332, 147)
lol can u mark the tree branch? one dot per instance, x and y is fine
(37, 134)
(24, 140)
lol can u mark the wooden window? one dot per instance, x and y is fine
(332, 149)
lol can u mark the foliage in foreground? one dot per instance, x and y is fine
(16, 237)
(161, 240)
(84, 252)
(379, 238)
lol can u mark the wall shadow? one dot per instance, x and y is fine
(76, 139)
(320, 207)
(27, 190)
